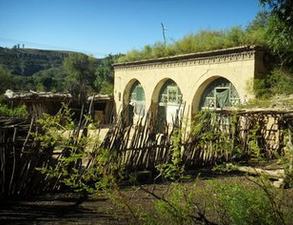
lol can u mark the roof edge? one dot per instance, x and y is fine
(237, 49)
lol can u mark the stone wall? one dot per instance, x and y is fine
(192, 73)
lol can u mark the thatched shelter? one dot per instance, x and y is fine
(37, 103)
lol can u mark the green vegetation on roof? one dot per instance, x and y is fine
(204, 40)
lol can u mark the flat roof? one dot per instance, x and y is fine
(29, 95)
(205, 54)
(100, 97)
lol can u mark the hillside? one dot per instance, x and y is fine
(44, 70)
(26, 62)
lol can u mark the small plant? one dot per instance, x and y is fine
(82, 165)
(20, 111)
(236, 204)
(278, 82)
(59, 134)
(215, 134)
(286, 158)
(254, 136)
(174, 170)
(177, 206)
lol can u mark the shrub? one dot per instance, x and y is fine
(20, 111)
(279, 81)
(237, 204)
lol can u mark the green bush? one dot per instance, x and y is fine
(279, 81)
(204, 40)
(238, 204)
(16, 112)
(177, 208)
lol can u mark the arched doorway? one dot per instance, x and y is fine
(135, 102)
(170, 101)
(219, 94)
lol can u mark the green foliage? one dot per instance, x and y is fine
(83, 165)
(104, 75)
(80, 75)
(176, 208)
(260, 21)
(204, 40)
(279, 81)
(26, 62)
(286, 157)
(20, 83)
(5, 78)
(255, 202)
(52, 79)
(16, 112)
(43, 70)
(255, 151)
(237, 204)
(280, 29)
(59, 135)
(271, 29)
(210, 131)
(256, 30)
(175, 169)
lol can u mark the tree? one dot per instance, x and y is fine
(50, 80)
(5, 78)
(282, 9)
(105, 75)
(80, 77)
(280, 29)
(260, 21)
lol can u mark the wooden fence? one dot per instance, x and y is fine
(221, 136)
(224, 136)
(18, 160)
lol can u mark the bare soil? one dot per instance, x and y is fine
(63, 208)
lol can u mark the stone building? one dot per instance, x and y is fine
(214, 79)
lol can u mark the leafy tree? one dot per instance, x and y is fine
(280, 29)
(5, 78)
(282, 9)
(260, 21)
(80, 77)
(50, 80)
(274, 27)
(104, 79)
(20, 83)
(256, 30)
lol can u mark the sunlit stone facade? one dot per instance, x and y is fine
(214, 79)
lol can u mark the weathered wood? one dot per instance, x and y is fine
(274, 173)
(142, 147)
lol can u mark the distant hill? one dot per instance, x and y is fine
(27, 62)
(43, 70)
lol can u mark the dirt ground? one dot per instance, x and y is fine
(61, 208)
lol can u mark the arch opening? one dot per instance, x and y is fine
(134, 101)
(218, 94)
(137, 99)
(170, 103)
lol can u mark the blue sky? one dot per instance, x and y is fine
(102, 27)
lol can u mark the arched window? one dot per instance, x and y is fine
(137, 100)
(169, 103)
(219, 94)
(170, 94)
